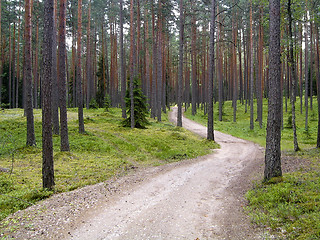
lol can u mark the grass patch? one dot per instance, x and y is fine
(241, 128)
(106, 150)
(289, 206)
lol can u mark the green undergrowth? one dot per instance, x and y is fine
(241, 128)
(104, 151)
(287, 207)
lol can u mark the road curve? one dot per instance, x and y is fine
(200, 200)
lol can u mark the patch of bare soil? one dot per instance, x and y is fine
(202, 198)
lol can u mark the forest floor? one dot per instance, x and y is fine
(202, 198)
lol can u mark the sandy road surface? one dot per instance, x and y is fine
(199, 200)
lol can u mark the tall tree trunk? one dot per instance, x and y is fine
(31, 140)
(154, 67)
(251, 70)
(193, 63)
(10, 69)
(79, 75)
(122, 65)
(210, 133)
(89, 77)
(13, 65)
(180, 70)
(18, 60)
(306, 104)
(318, 84)
(48, 45)
(311, 63)
(55, 93)
(294, 80)
(64, 142)
(132, 62)
(159, 64)
(1, 70)
(273, 139)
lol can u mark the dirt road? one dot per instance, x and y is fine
(201, 199)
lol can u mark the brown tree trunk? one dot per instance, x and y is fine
(55, 93)
(180, 70)
(10, 69)
(47, 148)
(318, 84)
(79, 75)
(35, 69)
(273, 139)
(306, 100)
(89, 77)
(294, 79)
(251, 70)
(193, 64)
(31, 140)
(64, 141)
(1, 56)
(122, 65)
(210, 133)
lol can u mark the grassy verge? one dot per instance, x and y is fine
(288, 207)
(104, 151)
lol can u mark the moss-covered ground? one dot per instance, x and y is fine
(104, 151)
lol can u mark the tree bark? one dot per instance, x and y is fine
(251, 70)
(48, 45)
(306, 101)
(122, 65)
(180, 70)
(318, 84)
(64, 142)
(210, 133)
(273, 139)
(55, 93)
(31, 140)
(79, 75)
(294, 80)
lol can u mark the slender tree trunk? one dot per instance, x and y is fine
(132, 63)
(273, 139)
(89, 77)
(79, 75)
(1, 70)
(10, 69)
(64, 143)
(18, 60)
(210, 133)
(193, 64)
(306, 104)
(35, 68)
(301, 72)
(159, 65)
(294, 80)
(154, 67)
(13, 65)
(47, 148)
(31, 140)
(311, 63)
(180, 70)
(251, 70)
(122, 66)
(55, 93)
(318, 84)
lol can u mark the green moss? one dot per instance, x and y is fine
(105, 150)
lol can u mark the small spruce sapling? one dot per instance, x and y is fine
(140, 107)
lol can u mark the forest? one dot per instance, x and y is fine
(82, 65)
